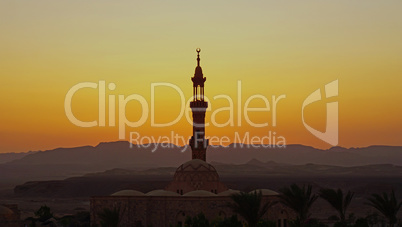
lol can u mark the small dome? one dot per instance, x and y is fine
(266, 192)
(5, 210)
(198, 72)
(128, 193)
(199, 193)
(229, 192)
(162, 193)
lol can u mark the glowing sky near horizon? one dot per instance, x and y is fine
(272, 47)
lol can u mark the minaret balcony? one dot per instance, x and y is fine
(199, 104)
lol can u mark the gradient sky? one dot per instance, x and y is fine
(273, 47)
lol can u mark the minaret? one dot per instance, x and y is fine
(198, 143)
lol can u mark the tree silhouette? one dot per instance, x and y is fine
(387, 205)
(339, 202)
(249, 206)
(43, 213)
(109, 218)
(198, 221)
(299, 200)
(232, 222)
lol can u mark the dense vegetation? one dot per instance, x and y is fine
(250, 210)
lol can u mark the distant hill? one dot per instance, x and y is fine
(248, 176)
(66, 162)
(109, 155)
(119, 154)
(8, 157)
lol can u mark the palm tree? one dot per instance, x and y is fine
(249, 206)
(299, 200)
(43, 213)
(232, 222)
(109, 218)
(198, 221)
(387, 205)
(337, 201)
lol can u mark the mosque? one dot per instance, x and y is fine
(195, 188)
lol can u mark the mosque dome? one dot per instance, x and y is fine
(5, 210)
(161, 192)
(196, 175)
(265, 192)
(229, 192)
(196, 165)
(128, 193)
(196, 170)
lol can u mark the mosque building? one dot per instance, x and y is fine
(195, 188)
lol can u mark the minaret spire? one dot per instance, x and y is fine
(198, 143)
(198, 56)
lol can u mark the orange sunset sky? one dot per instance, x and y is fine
(272, 47)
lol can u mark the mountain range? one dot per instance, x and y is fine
(68, 162)
(251, 175)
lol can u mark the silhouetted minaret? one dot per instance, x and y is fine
(198, 143)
